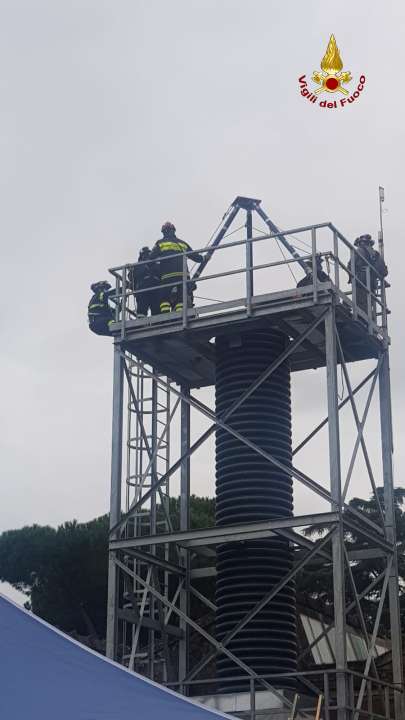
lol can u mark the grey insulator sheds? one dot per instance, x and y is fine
(249, 488)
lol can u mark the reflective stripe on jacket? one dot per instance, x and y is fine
(166, 250)
(99, 307)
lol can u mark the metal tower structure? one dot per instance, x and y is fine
(156, 558)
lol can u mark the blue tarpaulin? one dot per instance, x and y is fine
(45, 675)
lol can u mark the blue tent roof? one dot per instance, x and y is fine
(45, 675)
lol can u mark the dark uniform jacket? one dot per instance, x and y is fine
(307, 280)
(165, 251)
(375, 259)
(144, 276)
(99, 307)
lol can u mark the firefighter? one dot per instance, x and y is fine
(320, 274)
(100, 313)
(142, 277)
(171, 267)
(365, 254)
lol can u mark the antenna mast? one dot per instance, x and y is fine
(380, 232)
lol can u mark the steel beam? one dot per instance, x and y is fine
(227, 533)
(358, 425)
(389, 507)
(133, 618)
(373, 641)
(135, 637)
(153, 522)
(115, 499)
(148, 558)
(249, 263)
(360, 435)
(366, 554)
(359, 610)
(325, 420)
(336, 493)
(184, 526)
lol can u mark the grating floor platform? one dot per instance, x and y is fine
(183, 348)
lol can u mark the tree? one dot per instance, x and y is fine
(64, 571)
(315, 583)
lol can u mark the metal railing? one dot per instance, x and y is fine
(364, 294)
(368, 697)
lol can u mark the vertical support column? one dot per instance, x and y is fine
(153, 510)
(249, 263)
(336, 492)
(314, 266)
(353, 281)
(389, 514)
(115, 500)
(336, 254)
(124, 302)
(184, 293)
(184, 525)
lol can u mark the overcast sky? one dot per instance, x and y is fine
(116, 116)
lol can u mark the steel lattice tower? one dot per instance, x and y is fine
(158, 362)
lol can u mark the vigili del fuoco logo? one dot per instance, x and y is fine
(331, 80)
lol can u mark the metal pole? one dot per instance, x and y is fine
(314, 267)
(336, 254)
(370, 699)
(184, 525)
(381, 199)
(185, 291)
(115, 500)
(124, 301)
(249, 263)
(252, 699)
(326, 695)
(153, 511)
(353, 281)
(387, 703)
(370, 314)
(389, 506)
(337, 538)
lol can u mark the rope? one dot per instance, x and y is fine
(234, 231)
(294, 246)
(200, 297)
(214, 233)
(288, 264)
(284, 257)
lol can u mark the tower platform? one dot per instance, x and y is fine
(181, 345)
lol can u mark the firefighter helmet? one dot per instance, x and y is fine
(100, 285)
(364, 240)
(168, 228)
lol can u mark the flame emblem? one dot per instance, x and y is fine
(331, 77)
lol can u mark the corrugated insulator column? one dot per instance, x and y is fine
(250, 488)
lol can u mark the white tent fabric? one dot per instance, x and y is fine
(45, 675)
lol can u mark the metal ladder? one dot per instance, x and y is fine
(152, 408)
